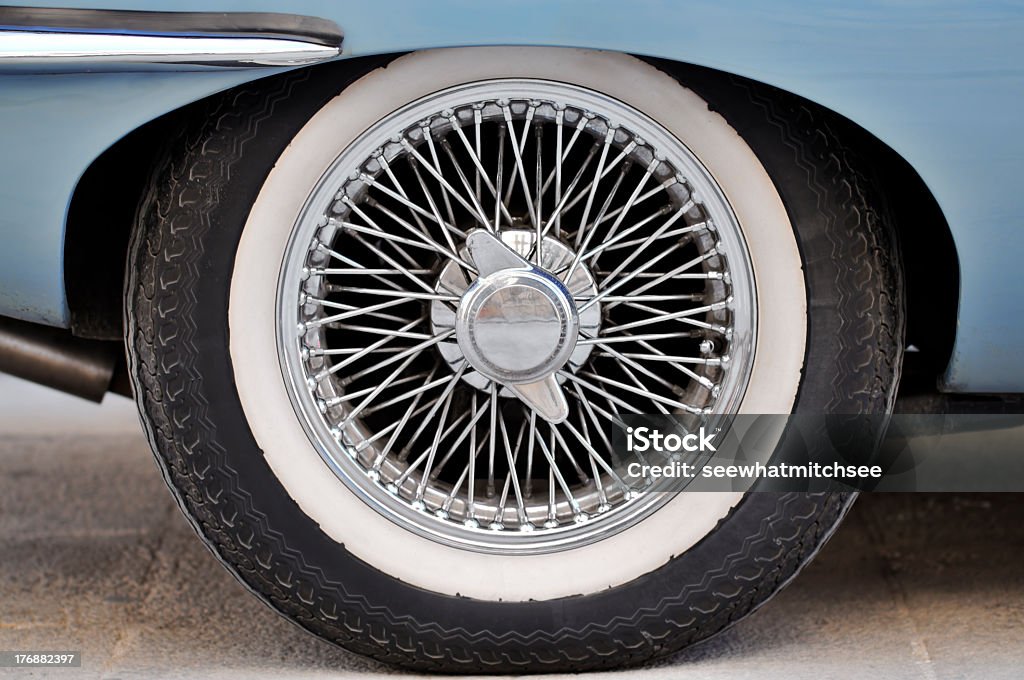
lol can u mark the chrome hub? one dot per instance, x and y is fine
(517, 324)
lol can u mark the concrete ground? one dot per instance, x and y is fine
(95, 557)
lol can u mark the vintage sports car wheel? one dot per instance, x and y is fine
(381, 315)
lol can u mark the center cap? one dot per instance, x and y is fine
(517, 325)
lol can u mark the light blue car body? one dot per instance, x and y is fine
(941, 82)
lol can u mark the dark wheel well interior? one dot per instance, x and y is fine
(104, 203)
(99, 223)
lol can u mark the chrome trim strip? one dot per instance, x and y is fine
(52, 49)
(180, 24)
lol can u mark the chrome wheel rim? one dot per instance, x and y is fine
(416, 253)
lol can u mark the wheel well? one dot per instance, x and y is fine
(930, 263)
(99, 223)
(104, 203)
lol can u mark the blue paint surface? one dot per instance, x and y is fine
(942, 82)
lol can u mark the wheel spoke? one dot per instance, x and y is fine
(667, 316)
(517, 154)
(602, 158)
(402, 197)
(448, 190)
(479, 170)
(400, 425)
(614, 241)
(557, 475)
(511, 478)
(582, 247)
(624, 365)
(414, 350)
(634, 390)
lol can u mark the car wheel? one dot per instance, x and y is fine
(381, 316)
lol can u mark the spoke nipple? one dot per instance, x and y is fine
(392, 489)
(336, 433)
(373, 474)
(551, 524)
(496, 526)
(321, 405)
(580, 517)
(724, 360)
(441, 513)
(604, 507)
(418, 504)
(471, 524)
(716, 391)
(311, 383)
(526, 527)
(305, 353)
(305, 273)
(301, 328)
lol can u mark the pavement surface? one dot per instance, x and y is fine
(95, 557)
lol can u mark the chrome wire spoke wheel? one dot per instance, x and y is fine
(479, 289)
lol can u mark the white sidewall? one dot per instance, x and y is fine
(669, 531)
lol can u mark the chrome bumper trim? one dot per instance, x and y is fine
(94, 51)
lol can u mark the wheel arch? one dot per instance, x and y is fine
(108, 192)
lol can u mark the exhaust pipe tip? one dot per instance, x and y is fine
(56, 358)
